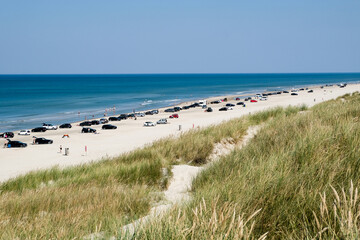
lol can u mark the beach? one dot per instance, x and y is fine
(131, 134)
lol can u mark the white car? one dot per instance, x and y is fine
(263, 99)
(230, 108)
(49, 126)
(140, 114)
(24, 132)
(149, 124)
(162, 121)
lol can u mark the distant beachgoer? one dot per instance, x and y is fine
(314, 99)
(60, 148)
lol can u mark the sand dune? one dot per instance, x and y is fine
(131, 134)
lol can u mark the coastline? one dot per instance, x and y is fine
(131, 134)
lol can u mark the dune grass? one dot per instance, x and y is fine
(300, 175)
(74, 202)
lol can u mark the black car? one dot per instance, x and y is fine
(278, 93)
(301, 89)
(223, 109)
(155, 111)
(86, 123)
(310, 91)
(88, 130)
(131, 115)
(43, 141)
(215, 102)
(230, 105)
(240, 103)
(7, 135)
(15, 144)
(186, 107)
(177, 109)
(170, 110)
(149, 113)
(123, 116)
(285, 91)
(65, 125)
(109, 126)
(209, 109)
(39, 129)
(95, 122)
(294, 94)
(114, 119)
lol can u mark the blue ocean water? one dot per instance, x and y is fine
(26, 101)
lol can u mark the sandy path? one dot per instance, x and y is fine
(179, 188)
(131, 134)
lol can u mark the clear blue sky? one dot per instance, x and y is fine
(187, 36)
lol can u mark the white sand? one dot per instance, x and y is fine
(131, 134)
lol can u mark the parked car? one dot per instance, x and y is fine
(86, 123)
(215, 102)
(109, 126)
(131, 115)
(310, 91)
(149, 113)
(240, 103)
(294, 94)
(237, 99)
(185, 107)
(123, 116)
(263, 98)
(43, 141)
(65, 125)
(149, 124)
(162, 121)
(139, 114)
(88, 130)
(285, 91)
(301, 89)
(230, 108)
(223, 109)
(177, 109)
(253, 100)
(7, 135)
(103, 121)
(170, 110)
(155, 111)
(114, 119)
(15, 144)
(39, 129)
(230, 105)
(209, 109)
(95, 122)
(174, 116)
(49, 126)
(24, 132)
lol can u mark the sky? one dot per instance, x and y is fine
(187, 36)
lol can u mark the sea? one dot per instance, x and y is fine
(27, 101)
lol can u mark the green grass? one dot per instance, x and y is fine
(301, 172)
(74, 202)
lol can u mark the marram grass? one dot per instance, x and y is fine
(74, 202)
(302, 170)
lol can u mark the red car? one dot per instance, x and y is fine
(252, 100)
(174, 116)
(237, 99)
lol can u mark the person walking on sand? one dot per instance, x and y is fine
(60, 148)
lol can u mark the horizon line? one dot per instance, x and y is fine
(7, 74)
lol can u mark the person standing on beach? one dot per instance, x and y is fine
(60, 148)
